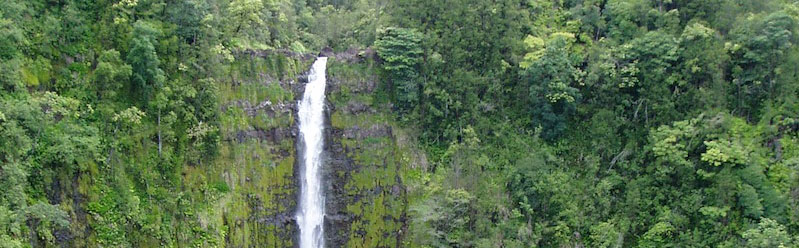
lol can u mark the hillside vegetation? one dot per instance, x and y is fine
(451, 123)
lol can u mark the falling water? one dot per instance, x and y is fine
(312, 201)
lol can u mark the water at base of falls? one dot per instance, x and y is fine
(311, 213)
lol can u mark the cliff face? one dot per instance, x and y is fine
(365, 162)
(366, 198)
(258, 155)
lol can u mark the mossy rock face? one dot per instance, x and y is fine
(366, 198)
(257, 158)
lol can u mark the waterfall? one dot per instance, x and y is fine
(311, 213)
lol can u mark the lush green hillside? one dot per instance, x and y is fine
(599, 123)
(451, 123)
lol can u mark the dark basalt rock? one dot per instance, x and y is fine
(338, 169)
(359, 133)
(327, 52)
(353, 55)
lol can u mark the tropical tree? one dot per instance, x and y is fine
(401, 52)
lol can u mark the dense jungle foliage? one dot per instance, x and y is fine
(539, 123)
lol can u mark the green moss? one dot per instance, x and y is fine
(259, 176)
(372, 201)
(342, 121)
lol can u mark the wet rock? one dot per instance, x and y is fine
(299, 87)
(327, 52)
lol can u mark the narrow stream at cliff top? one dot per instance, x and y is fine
(311, 212)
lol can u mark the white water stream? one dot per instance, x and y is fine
(311, 213)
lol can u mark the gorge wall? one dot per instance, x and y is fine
(258, 156)
(366, 201)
